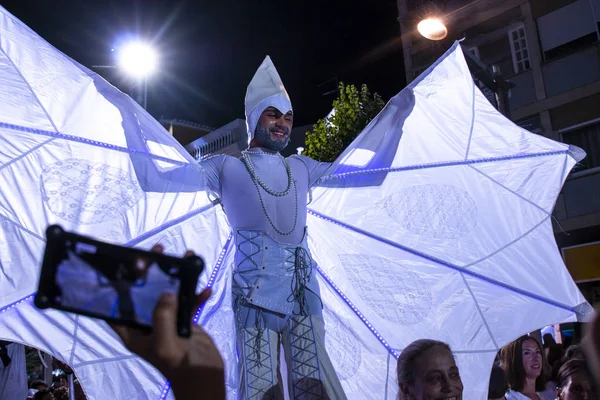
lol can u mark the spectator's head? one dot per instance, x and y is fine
(574, 351)
(567, 341)
(498, 385)
(554, 353)
(43, 395)
(427, 370)
(523, 360)
(38, 385)
(574, 382)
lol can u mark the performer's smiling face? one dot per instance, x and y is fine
(273, 129)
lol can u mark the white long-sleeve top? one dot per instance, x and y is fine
(229, 179)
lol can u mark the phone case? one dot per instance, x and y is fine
(101, 280)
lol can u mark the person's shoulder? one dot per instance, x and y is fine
(512, 395)
(221, 164)
(304, 159)
(549, 393)
(301, 161)
(299, 157)
(218, 159)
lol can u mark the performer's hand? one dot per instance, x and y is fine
(193, 365)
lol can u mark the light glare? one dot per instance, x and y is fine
(432, 29)
(138, 59)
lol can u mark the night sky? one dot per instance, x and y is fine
(209, 50)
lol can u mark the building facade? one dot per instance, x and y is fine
(229, 139)
(232, 139)
(550, 51)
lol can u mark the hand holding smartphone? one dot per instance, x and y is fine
(121, 285)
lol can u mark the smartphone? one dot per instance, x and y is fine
(118, 284)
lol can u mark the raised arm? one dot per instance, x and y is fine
(160, 176)
(146, 139)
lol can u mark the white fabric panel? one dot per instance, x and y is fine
(361, 362)
(13, 379)
(218, 320)
(398, 290)
(568, 23)
(95, 194)
(91, 187)
(475, 387)
(533, 270)
(486, 206)
(394, 229)
(404, 300)
(492, 135)
(431, 209)
(103, 366)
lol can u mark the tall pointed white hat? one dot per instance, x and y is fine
(265, 90)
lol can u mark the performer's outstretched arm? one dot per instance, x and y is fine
(154, 175)
(143, 135)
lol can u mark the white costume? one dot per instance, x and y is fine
(547, 394)
(13, 372)
(425, 251)
(275, 292)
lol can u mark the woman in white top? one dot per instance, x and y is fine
(523, 362)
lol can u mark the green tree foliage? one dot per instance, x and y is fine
(33, 364)
(353, 110)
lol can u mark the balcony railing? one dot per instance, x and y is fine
(570, 72)
(580, 195)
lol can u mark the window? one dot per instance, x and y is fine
(519, 50)
(571, 47)
(588, 139)
(569, 29)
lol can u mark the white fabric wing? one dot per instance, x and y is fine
(13, 377)
(437, 224)
(77, 152)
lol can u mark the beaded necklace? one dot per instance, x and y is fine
(259, 182)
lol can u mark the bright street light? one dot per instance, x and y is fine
(432, 29)
(138, 59)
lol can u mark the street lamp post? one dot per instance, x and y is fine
(138, 60)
